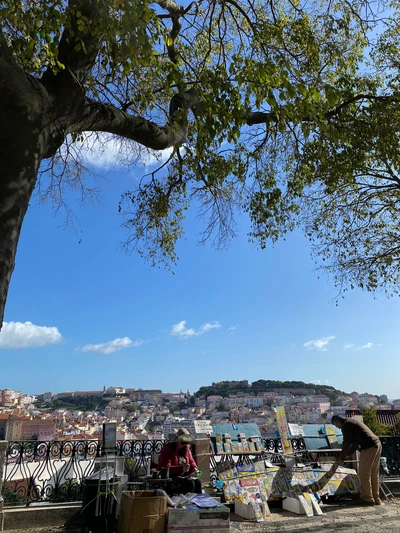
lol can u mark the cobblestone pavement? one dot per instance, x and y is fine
(336, 519)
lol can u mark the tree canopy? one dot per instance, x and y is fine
(225, 388)
(370, 420)
(284, 109)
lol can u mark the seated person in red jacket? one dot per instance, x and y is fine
(176, 456)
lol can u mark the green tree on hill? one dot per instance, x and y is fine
(225, 388)
(370, 420)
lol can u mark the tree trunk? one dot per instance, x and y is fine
(17, 183)
(24, 141)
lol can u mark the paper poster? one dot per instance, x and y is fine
(245, 470)
(306, 503)
(226, 470)
(259, 465)
(232, 490)
(283, 429)
(296, 430)
(268, 481)
(262, 489)
(280, 484)
(332, 438)
(264, 506)
(353, 483)
(311, 480)
(251, 487)
(315, 504)
(258, 512)
(296, 480)
(203, 426)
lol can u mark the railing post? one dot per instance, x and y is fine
(3, 454)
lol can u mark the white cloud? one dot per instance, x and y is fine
(208, 326)
(366, 346)
(112, 346)
(106, 151)
(318, 344)
(180, 329)
(15, 335)
(349, 346)
(232, 329)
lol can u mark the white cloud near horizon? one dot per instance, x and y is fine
(349, 346)
(180, 330)
(319, 344)
(18, 335)
(107, 348)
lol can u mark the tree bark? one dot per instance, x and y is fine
(27, 135)
(97, 116)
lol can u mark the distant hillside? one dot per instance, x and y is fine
(74, 403)
(224, 388)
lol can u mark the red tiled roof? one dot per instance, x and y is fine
(388, 417)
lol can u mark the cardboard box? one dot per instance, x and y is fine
(252, 511)
(192, 518)
(245, 510)
(142, 512)
(293, 505)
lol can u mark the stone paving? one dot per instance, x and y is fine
(336, 519)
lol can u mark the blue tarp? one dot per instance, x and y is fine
(250, 430)
(316, 440)
(313, 438)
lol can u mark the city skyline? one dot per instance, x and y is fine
(182, 389)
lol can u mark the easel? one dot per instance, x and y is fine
(383, 488)
(100, 508)
(108, 453)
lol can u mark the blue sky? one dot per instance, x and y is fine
(99, 317)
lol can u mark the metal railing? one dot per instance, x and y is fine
(140, 456)
(54, 471)
(391, 450)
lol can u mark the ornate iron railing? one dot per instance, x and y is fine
(391, 450)
(47, 471)
(140, 456)
(54, 471)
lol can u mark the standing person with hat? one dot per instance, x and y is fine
(176, 456)
(358, 436)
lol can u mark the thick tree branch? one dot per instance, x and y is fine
(358, 98)
(4, 48)
(79, 47)
(97, 116)
(171, 6)
(260, 117)
(175, 12)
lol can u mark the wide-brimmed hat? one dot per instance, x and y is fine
(181, 435)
